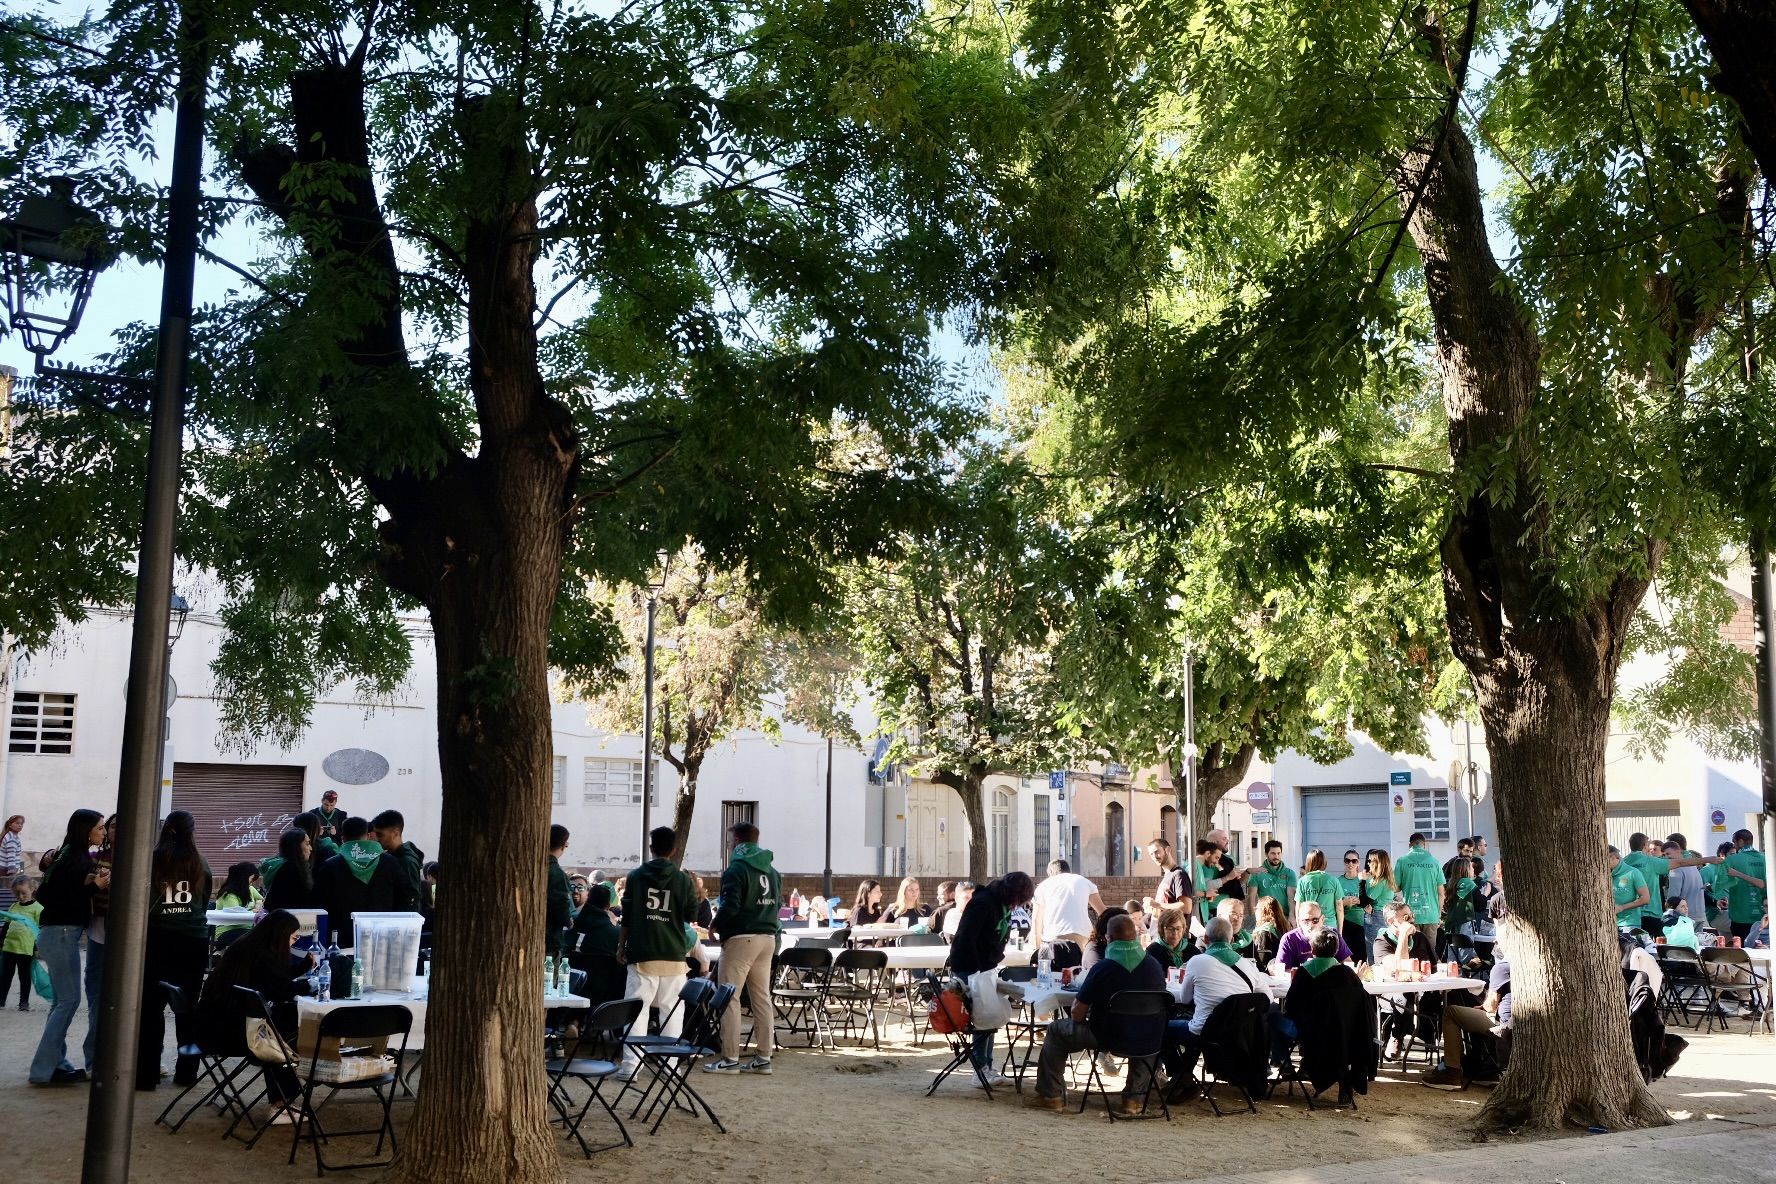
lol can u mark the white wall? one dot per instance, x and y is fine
(91, 660)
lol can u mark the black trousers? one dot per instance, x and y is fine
(20, 964)
(176, 958)
(1352, 932)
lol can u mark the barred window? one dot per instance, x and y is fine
(560, 780)
(1430, 813)
(41, 723)
(612, 782)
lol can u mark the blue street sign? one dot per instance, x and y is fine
(1401, 777)
(1057, 780)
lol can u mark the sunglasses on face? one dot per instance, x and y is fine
(1350, 858)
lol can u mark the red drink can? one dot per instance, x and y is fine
(1067, 976)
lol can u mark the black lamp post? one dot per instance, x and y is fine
(654, 587)
(52, 245)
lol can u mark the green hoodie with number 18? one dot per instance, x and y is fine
(751, 893)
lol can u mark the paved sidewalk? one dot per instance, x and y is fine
(1679, 1154)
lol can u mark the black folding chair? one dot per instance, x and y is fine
(854, 991)
(696, 992)
(253, 1007)
(375, 1021)
(671, 1064)
(1143, 1047)
(1022, 1028)
(212, 1068)
(604, 1031)
(799, 992)
(1749, 994)
(1685, 996)
(1235, 1048)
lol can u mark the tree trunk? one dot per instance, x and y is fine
(684, 806)
(1543, 659)
(1733, 30)
(1218, 771)
(971, 788)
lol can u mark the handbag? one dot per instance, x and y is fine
(948, 1013)
(991, 1009)
(267, 1044)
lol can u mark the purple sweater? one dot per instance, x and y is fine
(1297, 948)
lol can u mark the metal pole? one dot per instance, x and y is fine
(647, 730)
(110, 1109)
(1765, 615)
(1470, 782)
(1190, 753)
(827, 874)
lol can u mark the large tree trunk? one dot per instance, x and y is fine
(684, 807)
(1543, 662)
(1734, 30)
(971, 788)
(1218, 771)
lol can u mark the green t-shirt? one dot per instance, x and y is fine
(1653, 869)
(1421, 884)
(1745, 903)
(1626, 884)
(1275, 883)
(1377, 893)
(21, 939)
(1352, 886)
(1201, 878)
(1322, 889)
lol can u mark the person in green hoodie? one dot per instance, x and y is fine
(362, 878)
(659, 903)
(388, 828)
(746, 919)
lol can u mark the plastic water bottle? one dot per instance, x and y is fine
(324, 980)
(357, 979)
(548, 976)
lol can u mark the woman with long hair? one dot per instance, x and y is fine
(867, 908)
(1378, 886)
(67, 895)
(1100, 940)
(1267, 932)
(178, 944)
(12, 852)
(292, 884)
(980, 945)
(262, 961)
(907, 907)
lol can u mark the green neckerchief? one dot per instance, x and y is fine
(1242, 940)
(1003, 928)
(1176, 952)
(1223, 953)
(361, 856)
(1126, 954)
(1266, 927)
(1464, 887)
(1318, 966)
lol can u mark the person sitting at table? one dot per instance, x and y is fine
(239, 891)
(1331, 1013)
(965, 890)
(1680, 930)
(264, 961)
(866, 909)
(291, 884)
(1142, 918)
(1210, 977)
(1401, 942)
(1490, 1024)
(1397, 947)
(1090, 1024)
(362, 878)
(1297, 944)
(1267, 933)
(1233, 910)
(1172, 948)
(907, 909)
(946, 904)
(592, 947)
(1100, 938)
(705, 907)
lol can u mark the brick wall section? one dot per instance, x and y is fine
(1741, 630)
(1114, 889)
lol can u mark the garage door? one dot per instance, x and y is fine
(240, 809)
(1335, 818)
(1656, 819)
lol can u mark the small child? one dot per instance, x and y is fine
(1680, 930)
(20, 947)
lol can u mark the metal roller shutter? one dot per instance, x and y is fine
(1335, 818)
(1654, 819)
(240, 810)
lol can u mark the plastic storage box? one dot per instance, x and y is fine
(387, 949)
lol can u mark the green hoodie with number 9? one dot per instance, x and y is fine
(751, 894)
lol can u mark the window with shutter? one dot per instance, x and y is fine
(41, 723)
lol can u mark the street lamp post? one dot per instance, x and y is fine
(53, 243)
(654, 588)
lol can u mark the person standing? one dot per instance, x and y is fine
(1213, 878)
(20, 949)
(66, 895)
(558, 903)
(12, 852)
(1065, 904)
(1350, 897)
(1686, 881)
(1232, 885)
(362, 878)
(291, 883)
(980, 944)
(1654, 867)
(1464, 849)
(1480, 865)
(1378, 888)
(659, 902)
(1747, 869)
(747, 921)
(331, 818)
(1272, 879)
(1320, 886)
(178, 946)
(1173, 889)
(1629, 889)
(389, 829)
(1421, 886)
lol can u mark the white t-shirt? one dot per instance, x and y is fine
(1064, 901)
(1207, 981)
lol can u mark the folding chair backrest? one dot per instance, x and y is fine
(609, 1023)
(175, 997)
(1727, 956)
(1143, 1037)
(703, 1026)
(364, 1021)
(695, 992)
(1679, 954)
(854, 960)
(1018, 974)
(919, 939)
(1235, 1042)
(806, 957)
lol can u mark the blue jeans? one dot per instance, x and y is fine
(95, 992)
(983, 1051)
(59, 947)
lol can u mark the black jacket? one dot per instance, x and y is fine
(980, 937)
(286, 891)
(66, 897)
(1336, 1018)
(343, 894)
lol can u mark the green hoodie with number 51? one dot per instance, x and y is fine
(751, 893)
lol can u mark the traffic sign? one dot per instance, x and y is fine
(1258, 795)
(1261, 819)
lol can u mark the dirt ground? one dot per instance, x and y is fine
(861, 1115)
